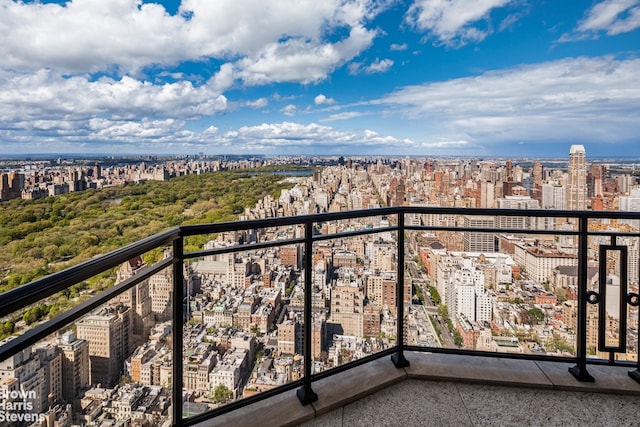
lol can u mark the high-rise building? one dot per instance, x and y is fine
(371, 321)
(318, 335)
(381, 291)
(509, 171)
(108, 331)
(161, 293)
(594, 181)
(11, 185)
(138, 298)
(347, 309)
(626, 183)
(487, 194)
(76, 373)
(290, 337)
(51, 364)
(577, 182)
(554, 196)
(517, 202)
(23, 371)
(538, 174)
(289, 255)
(476, 241)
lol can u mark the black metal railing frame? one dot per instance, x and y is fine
(19, 298)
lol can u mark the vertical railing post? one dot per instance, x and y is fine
(178, 325)
(580, 370)
(305, 394)
(398, 358)
(633, 299)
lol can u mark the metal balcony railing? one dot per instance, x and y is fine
(581, 230)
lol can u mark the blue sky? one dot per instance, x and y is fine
(506, 78)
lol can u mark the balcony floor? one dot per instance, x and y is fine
(443, 390)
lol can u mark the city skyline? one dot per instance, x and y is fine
(505, 78)
(460, 280)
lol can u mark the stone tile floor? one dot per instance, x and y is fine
(416, 402)
(450, 390)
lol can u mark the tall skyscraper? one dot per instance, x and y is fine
(76, 373)
(538, 174)
(577, 183)
(594, 181)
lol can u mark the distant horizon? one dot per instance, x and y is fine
(56, 156)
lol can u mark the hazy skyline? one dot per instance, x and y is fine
(502, 78)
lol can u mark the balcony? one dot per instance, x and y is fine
(325, 389)
(446, 389)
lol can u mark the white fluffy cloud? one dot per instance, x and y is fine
(300, 60)
(87, 36)
(322, 99)
(119, 70)
(377, 66)
(259, 41)
(452, 22)
(258, 103)
(399, 47)
(67, 67)
(45, 95)
(612, 16)
(573, 99)
(274, 136)
(157, 130)
(170, 136)
(609, 16)
(289, 110)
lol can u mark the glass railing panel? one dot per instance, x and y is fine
(355, 225)
(48, 307)
(358, 276)
(492, 291)
(198, 244)
(468, 286)
(111, 365)
(529, 224)
(243, 335)
(612, 315)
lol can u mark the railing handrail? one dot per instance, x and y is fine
(21, 297)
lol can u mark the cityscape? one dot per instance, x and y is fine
(208, 204)
(510, 292)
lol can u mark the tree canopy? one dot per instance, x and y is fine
(222, 393)
(39, 237)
